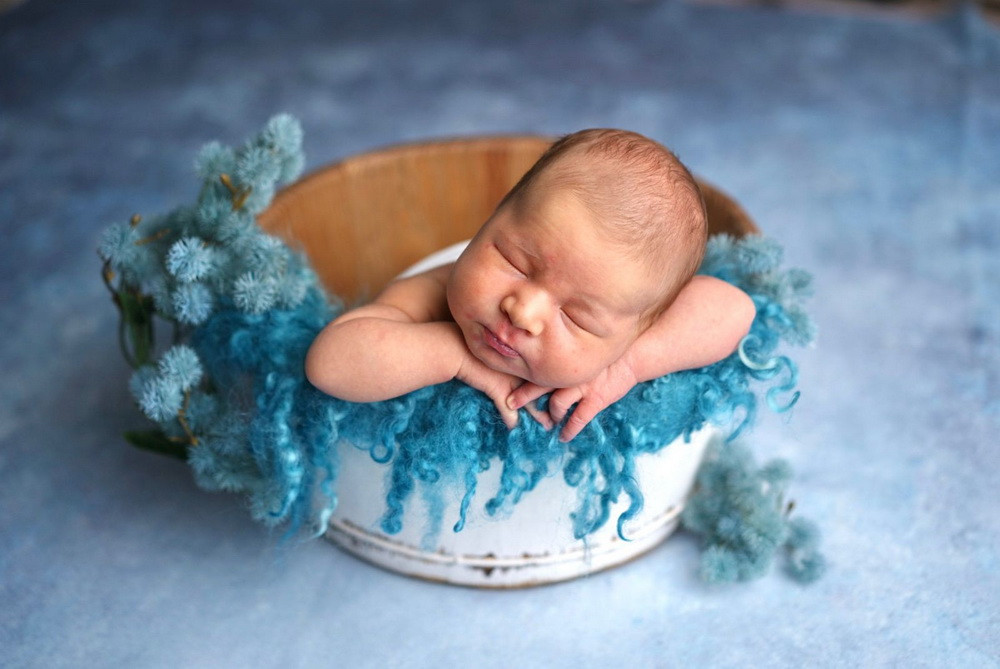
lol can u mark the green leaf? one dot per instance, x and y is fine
(157, 442)
(137, 316)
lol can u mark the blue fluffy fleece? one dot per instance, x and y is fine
(451, 432)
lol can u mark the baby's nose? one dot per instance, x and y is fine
(525, 311)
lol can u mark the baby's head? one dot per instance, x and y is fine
(582, 255)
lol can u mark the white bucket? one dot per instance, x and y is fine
(533, 544)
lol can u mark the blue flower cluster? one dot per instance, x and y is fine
(739, 511)
(160, 390)
(194, 259)
(194, 262)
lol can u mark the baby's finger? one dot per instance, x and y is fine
(561, 400)
(583, 414)
(509, 417)
(526, 392)
(542, 417)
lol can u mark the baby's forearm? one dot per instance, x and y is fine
(369, 359)
(704, 324)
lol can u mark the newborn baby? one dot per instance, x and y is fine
(581, 284)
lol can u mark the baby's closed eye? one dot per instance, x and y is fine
(574, 322)
(508, 261)
(583, 322)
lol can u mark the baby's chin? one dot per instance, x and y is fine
(515, 367)
(503, 366)
(542, 379)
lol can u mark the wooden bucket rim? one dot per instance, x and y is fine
(395, 149)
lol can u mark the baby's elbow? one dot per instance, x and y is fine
(741, 311)
(316, 371)
(335, 370)
(323, 367)
(745, 311)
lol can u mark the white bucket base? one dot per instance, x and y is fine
(531, 545)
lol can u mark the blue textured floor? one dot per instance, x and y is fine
(869, 147)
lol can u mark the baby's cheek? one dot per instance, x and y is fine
(461, 301)
(566, 366)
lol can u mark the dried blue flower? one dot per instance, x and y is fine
(259, 198)
(193, 303)
(802, 534)
(719, 565)
(159, 289)
(160, 398)
(293, 287)
(283, 133)
(800, 281)
(777, 473)
(203, 411)
(291, 167)
(140, 377)
(190, 259)
(179, 222)
(117, 244)
(214, 159)
(181, 364)
(205, 464)
(215, 210)
(236, 228)
(224, 467)
(267, 255)
(806, 566)
(258, 167)
(737, 508)
(255, 293)
(127, 252)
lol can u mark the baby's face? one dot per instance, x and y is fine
(541, 294)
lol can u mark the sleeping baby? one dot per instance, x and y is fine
(580, 285)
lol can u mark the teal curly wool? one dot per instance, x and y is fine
(450, 433)
(247, 308)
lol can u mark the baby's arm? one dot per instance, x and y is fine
(703, 325)
(400, 342)
(403, 341)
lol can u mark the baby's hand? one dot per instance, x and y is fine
(498, 387)
(591, 397)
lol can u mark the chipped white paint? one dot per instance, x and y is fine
(533, 544)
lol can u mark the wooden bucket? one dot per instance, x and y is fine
(364, 220)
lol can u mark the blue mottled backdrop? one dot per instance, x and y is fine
(869, 145)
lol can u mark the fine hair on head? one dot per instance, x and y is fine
(648, 203)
